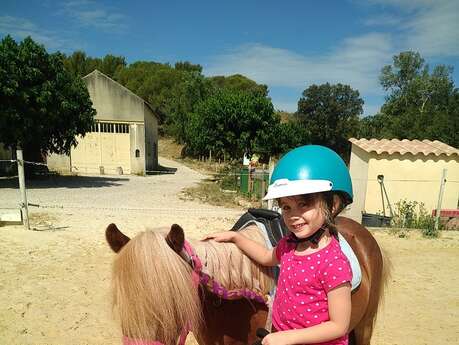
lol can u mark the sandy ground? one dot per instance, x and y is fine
(54, 282)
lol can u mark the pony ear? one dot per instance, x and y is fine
(176, 238)
(115, 238)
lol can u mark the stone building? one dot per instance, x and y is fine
(124, 139)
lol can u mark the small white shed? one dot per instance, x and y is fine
(410, 170)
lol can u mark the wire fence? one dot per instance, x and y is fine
(13, 200)
(251, 184)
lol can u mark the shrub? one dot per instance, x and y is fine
(413, 215)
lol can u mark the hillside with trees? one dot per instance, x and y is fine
(420, 104)
(227, 115)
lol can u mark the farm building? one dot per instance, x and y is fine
(124, 139)
(408, 170)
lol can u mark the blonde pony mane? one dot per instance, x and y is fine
(228, 266)
(152, 290)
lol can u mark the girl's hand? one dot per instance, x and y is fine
(225, 236)
(278, 338)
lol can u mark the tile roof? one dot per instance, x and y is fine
(404, 146)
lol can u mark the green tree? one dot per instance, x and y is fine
(42, 106)
(280, 138)
(187, 93)
(79, 64)
(238, 82)
(110, 64)
(420, 104)
(187, 66)
(330, 113)
(229, 123)
(172, 91)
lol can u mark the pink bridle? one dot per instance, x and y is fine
(199, 277)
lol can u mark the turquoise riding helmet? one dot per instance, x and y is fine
(310, 169)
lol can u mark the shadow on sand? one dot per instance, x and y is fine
(58, 181)
(162, 170)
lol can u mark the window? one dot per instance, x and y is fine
(109, 127)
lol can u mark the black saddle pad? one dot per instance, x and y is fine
(272, 220)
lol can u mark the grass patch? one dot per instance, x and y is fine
(209, 192)
(221, 188)
(168, 148)
(399, 232)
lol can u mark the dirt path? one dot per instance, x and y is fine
(54, 283)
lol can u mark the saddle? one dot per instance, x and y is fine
(271, 220)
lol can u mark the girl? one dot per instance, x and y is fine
(313, 299)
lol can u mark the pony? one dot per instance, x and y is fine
(164, 286)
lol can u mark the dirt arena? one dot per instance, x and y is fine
(54, 282)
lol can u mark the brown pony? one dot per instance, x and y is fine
(155, 299)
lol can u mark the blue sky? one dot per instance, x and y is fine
(287, 45)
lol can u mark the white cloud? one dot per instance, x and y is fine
(20, 28)
(408, 5)
(383, 20)
(434, 31)
(356, 62)
(88, 13)
(427, 26)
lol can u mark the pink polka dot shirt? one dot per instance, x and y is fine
(303, 284)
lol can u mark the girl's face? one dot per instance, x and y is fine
(302, 214)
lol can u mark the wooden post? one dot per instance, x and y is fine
(22, 187)
(440, 198)
(262, 188)
(210, 156)
(271, 165)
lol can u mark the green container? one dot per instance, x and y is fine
(260, 184)
(244, 181)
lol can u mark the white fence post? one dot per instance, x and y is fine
(440, 198)
(271, 165)
(22, 187)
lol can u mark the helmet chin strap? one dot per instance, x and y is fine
(314, 238)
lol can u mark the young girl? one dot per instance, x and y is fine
(313, 299)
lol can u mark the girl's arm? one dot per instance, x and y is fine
(339, 308)
(254, 250)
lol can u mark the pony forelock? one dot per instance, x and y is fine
(153, 294)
